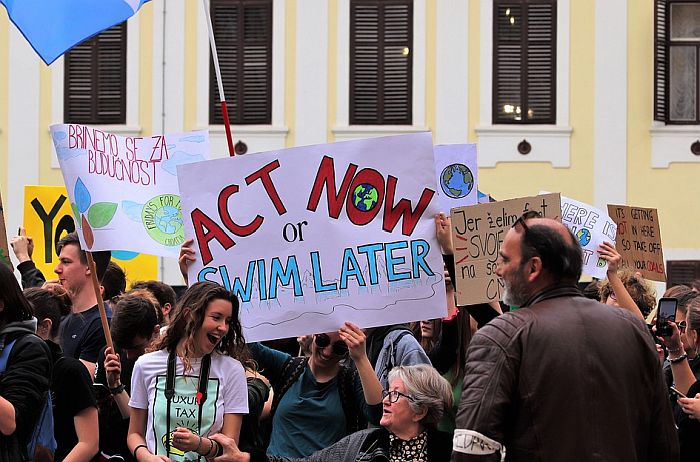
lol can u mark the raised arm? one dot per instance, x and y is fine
(608, 253)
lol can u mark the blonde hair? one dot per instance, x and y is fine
(639, 289)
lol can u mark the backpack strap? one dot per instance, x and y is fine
(291, 371)
(5, 354)
(393, 347)
(169, 394)
(346, 388)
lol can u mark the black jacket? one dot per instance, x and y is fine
(368, 446)
(25, 384)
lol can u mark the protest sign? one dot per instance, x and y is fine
(123, 190)
(47, 218)
(4, 249)
(591, 227)
(312, 236)
(456, 171)
(478, 232)
(639, 240)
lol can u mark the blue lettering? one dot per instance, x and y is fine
(284, 275)
(350, 268)
(370, 250)
(419, 250)
(261, 280)
(245, 293)
(392, 261)
(319, 286)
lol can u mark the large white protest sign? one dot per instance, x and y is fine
(123, 190)
(456, 172)
(591, 227)
(310, 237)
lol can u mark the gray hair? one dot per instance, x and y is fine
(429, 390)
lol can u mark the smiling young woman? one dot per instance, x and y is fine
(194, 384)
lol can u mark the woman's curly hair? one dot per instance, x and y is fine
(639, 289)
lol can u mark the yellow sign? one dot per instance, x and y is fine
(47, 218)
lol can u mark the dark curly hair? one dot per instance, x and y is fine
(189, 316)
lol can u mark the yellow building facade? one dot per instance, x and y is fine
(605, 146)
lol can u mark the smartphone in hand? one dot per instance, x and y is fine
(666, 312)
(675, 391)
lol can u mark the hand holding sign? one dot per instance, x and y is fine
(22, 245)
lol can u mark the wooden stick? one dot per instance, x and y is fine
(100, 302)
(217, 71)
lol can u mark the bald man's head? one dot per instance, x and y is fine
(558, 249)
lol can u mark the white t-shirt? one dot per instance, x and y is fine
(227, 393)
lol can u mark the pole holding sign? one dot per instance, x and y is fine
(478, 232)
(4, 250)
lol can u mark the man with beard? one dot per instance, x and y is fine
(564, 377)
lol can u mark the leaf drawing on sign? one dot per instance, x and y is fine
(87, 232)
(76, 213)
(101, 213)
(82, 196)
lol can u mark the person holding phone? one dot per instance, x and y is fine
(686, 373)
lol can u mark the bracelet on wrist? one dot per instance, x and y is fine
(679, 359)
(674, 351)
(209, 454)
(116, 390)
(136, 450)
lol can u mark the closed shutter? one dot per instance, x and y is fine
(243, 33)
(95, 79)
(660, 60)
(381, 62)
(524, 62)
(682, 272)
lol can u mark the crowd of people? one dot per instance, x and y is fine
(554, 372)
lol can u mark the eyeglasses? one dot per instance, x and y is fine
(340, 348)
(526, 216)
(681, 326)
(394, 396)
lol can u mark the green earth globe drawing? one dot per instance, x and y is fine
(168, 219)
(365, 197)
(456, 181)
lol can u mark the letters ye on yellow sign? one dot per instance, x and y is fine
(639, 240)
(47, 218)
(477, 234)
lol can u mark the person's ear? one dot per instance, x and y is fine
(533, 269)
(45, 327)
(165, 309)
(417, 417)
(155, 333)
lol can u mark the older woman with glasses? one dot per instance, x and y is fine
(415, 401)
(320, 399)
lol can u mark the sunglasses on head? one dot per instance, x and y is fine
(339, 347)
(526, 216)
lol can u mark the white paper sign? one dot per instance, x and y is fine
(591, 227)
(310, 237)
(456, 173)
(123, 190)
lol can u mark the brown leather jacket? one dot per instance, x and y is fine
(567, 379)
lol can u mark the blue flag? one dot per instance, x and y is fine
(53, 27)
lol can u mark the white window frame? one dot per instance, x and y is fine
(498, 142)
(258, 138)
(131, 127)
(342, 130)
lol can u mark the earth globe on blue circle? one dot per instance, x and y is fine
(456, 181)
(168, 219)
(584, 236)
(365, 197)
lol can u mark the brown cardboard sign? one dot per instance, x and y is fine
(4, 249)
(639, 240)
(478, 232)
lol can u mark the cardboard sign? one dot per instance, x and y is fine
(591, 227)
(310, 237)
(126, 186)
(639, 240)
(47, 218)
(456, 171)
(478, 232)
(4, 249)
